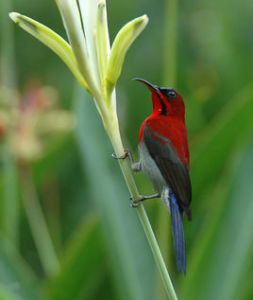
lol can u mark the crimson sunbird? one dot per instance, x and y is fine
(164, 158)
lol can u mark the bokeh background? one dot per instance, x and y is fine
(67, 231)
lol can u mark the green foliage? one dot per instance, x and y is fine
(84, 249)
(221, 258)
(123, 235)
(17, 280)
(97, 237)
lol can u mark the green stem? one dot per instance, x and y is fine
(163, 233)
(37, 223)
(10, 199)
(157, 253)
(148, 230)
(170, 43)
(127, 172)
(8, 75)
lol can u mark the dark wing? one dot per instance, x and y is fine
(175, 173)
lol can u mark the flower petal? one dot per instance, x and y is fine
(121, 44)
(73, 25)
(52, 40)
(88, 10)
(102, 40)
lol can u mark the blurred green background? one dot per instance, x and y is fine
(67, 231)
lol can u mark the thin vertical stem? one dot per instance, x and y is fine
(8, 74)
(8, 83)
(10, 197)
(52, 202)
(170, 43)
(163, 234)
(157, 253)
(110, 121)
(37, 223)
(125, 168)
(170, 291)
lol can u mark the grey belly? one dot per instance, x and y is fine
(150, 169)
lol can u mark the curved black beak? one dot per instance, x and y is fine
(148, 84)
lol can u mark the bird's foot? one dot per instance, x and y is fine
(141, 198)
(125, 155)
(136, 166)
(135, 203)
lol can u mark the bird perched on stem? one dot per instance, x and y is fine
(164, 158)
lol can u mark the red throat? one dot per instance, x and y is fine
(163, 106)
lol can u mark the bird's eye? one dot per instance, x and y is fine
(168, 92)
(171, 94)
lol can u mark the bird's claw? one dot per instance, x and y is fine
(125, 155)
(135, 203)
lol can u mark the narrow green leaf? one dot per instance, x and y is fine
(170, 32)
(7, 49)
(82, 264)
(37, 223)
(88, 12)
(121, 44)
(51, 40)
(102, 40)
(16, 279)
(71, 17)
(10, 198)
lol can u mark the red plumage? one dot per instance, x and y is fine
(164, 158)
(171, 126)
(163, 146)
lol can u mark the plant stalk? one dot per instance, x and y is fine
(37, 223)
(10, 217)
(127, 172)
(170, 43)
(10, 200)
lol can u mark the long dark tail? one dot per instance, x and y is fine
(178, 232)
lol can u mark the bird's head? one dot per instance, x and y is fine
(166, 101)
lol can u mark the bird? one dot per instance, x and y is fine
(164, 159)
